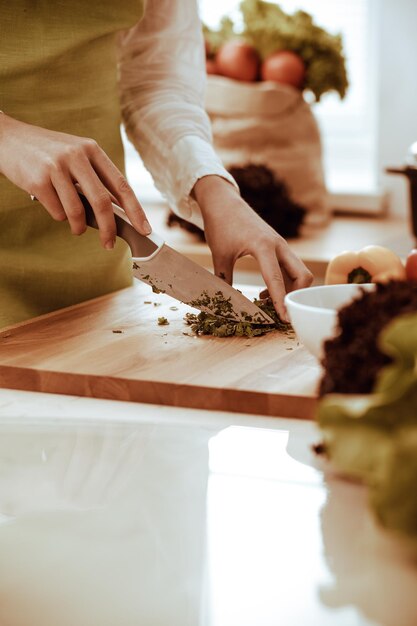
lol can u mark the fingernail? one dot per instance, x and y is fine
(147, 229)
(283, 315)
(109, 245)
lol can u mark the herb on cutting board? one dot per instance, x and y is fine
(219, 306)
(211, 324)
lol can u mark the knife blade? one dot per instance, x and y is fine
(168, 271)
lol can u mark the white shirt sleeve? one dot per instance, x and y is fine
(162, 82)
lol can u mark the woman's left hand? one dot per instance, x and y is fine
(234, 230)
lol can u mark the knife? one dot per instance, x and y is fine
(168, 271)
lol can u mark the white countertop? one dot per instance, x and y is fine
(127, 514)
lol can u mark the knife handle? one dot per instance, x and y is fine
(143, 247)
(153, 238)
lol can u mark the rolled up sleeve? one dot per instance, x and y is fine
(162, 82)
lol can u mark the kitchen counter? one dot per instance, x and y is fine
(138, 514)
(130, 514)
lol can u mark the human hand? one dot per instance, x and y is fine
(234, 230)
(48, 165)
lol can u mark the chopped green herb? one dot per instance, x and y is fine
(211, 324)
(173, 308)
(218, 305)
(162, 321)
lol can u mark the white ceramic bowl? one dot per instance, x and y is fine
(313, 312)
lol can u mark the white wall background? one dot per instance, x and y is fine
(397, 91)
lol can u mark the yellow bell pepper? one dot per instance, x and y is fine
(373, 264)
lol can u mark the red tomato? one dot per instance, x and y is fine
(211, 66)
(239, 60)
(411, 266)
(284, 67)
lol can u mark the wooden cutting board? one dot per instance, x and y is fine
(112, 347)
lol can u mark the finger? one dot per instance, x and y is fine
(112, 197)
(50, 200)
(70, 201)
(288, 281)
(117, 184)
(265, 293)
(223, 267)
(274, 281)
(99, 198)
(302, 278)
(296, 274)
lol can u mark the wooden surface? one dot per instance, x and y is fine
(75, 351)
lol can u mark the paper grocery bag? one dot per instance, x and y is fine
(272, 125)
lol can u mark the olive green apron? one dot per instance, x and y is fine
(58, 71)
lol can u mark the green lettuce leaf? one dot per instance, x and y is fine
(270, 29)
(393, 487)
(374, 437)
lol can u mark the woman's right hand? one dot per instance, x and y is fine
(48, 164)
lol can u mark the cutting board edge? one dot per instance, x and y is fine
(39, 319)
(162, 393)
